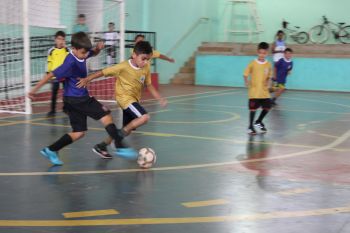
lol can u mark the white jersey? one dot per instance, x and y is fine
(112, 38)
(280, 46)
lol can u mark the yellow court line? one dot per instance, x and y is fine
(158, 134)
(29, 121)
(181, 220)
(233, 117)
(295, 191)
(280, 108)
(205, 203)
(148, 100)
(320, 101)
(91, 213)
(329, 146)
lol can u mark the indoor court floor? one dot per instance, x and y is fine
(210, 176)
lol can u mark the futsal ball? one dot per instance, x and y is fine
(147, 157)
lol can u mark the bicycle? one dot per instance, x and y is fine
(320, 33)
(297, 36)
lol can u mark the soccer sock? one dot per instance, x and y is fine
(60, 143)
(103, 144)
(251, 118)
(262, 115)
(116, 134)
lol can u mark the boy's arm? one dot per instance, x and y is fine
(273, 46)
(42, 82)
(99, 46)
(162, 101)
(246, 74)
(246, 81)
(290, 70)
(83, 82)
(166, 58)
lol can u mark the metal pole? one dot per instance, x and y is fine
(122, 29)
(26, 56)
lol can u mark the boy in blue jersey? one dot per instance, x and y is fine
(283, 69)
(77, 102)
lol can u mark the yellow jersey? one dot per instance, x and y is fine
(130, 81)
(56, 58)
(260, 73)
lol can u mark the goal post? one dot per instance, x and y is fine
(27, 29)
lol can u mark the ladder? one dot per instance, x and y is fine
(253, 24)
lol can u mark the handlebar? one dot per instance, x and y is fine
(285, 24)
(325, 20)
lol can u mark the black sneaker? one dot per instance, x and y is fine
(251, 131)
(261, 126)
(102, 151)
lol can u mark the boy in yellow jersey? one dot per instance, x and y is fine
(155, 53)
(260, 73)
(55, 58)
(131, 76)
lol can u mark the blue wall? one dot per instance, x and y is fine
(308, 73)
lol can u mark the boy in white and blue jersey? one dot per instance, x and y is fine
(283, 68)
(77, 102)
(278, 46)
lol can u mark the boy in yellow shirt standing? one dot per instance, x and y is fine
(131, 76)
(155, 53)
(260, 73)
(55, 58)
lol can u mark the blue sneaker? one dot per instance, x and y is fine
(51, 155)
(127, 153)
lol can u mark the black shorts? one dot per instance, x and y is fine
(134, 110)
(79, 108)
(254, 104)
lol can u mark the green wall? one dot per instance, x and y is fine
(172, 18)
(325, 74)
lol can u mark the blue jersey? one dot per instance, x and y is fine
(283, 66)
(72, 69)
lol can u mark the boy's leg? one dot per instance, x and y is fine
(266, 105)
(101, 148)
(281, 89)
(79, 126)
(133, 117)
(253, 104)
(54, 90)
(97, 111)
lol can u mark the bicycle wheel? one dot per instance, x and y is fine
(344, 35)
(302, 37)
(319, 34)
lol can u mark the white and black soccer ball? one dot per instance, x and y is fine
(147, 157)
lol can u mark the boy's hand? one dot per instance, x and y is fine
(83, 82)
(31, 95)
(100, 45)
(163, 102)
(246, 83)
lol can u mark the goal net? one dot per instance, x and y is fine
(27, 29)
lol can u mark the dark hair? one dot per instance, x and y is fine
(80, 40)
(81, 16)
(288, 50)
(263, 45)
(110, 23)
(279, 32)
(60, 33)
(143, 47)
(139, 35)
